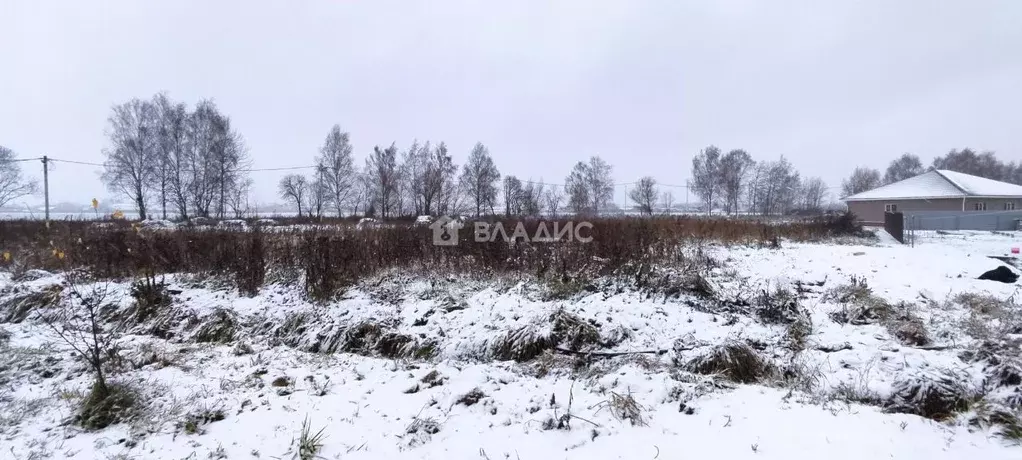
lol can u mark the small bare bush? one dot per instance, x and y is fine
(780, 306)
(624, 407)
(859, 305)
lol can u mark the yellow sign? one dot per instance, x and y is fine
(7, 256)
(95, 203)
(118, 214)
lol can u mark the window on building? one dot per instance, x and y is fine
(890, 208)
(1009, 206)
(979, 206)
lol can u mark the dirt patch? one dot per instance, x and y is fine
(1001, 274)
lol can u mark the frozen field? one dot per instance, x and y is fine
(850, 338)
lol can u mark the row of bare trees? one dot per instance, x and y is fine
(424, 180)
(966, 161)
(190, 163)
(734, 182)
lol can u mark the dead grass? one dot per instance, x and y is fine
(338, 255)
(1006, 422)
(735, 361)
(120, 403)
(624, 407)
(563, 329)
(937, 394)
(219, 327)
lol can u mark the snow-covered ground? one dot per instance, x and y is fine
(268, 364)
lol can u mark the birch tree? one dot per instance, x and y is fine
(131, 156)
(338, 169)
(479, 178)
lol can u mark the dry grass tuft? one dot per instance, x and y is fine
(737, 362)
(937, 395)
(624, 407)
(529, 342)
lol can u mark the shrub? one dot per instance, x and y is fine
(150, 295)
(337, 255)
(780, 306)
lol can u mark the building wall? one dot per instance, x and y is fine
(993, 204)
(873, 211)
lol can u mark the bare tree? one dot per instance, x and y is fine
(384, 179)
(217, 158)
(590, 186)
(414, 162)
(512, 196)
(776, 187)
(319, 197)
(577, 190)
(600, 183)
(861, 180)
(132, 156)
(12, 184)
(733, 171)
(906, 166)
(172, 172)
(294, 188)
(814, 192)
(77, 321)
(532, 198)
(337, 168)
(238, 199)
(706, 176)
(983, 164)
(479, 178)
(645, 195)
(552, 200)
(668, 201)
(438, 179)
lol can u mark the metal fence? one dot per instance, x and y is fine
(963, 220)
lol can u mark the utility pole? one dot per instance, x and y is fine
(46, 189)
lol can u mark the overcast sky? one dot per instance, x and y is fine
(544, 84)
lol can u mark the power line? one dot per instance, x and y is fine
(103, 165)
(77, 162)
(19, 160)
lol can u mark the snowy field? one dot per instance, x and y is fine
(410, 366)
